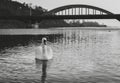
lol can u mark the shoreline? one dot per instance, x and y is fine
(48, 31)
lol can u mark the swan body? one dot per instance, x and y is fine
(44, 52)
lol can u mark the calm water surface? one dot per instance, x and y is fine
(80, 56)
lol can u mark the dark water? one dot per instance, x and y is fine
(80, 56)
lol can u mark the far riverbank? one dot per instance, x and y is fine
(48, 31)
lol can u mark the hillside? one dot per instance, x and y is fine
(10, 8)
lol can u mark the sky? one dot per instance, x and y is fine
(110, 5)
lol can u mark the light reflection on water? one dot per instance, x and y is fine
(89, 56)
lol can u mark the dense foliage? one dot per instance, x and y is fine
(9, 7)
(62, 23)
(14, 8)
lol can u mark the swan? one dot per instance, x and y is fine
(44, 52)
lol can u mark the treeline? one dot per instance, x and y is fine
(62, 23)
(53, 23)
(86, 24)
(14, 8)
(9, 7)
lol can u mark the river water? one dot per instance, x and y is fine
(80, 56)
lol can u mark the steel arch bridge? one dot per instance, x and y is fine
(78, 9)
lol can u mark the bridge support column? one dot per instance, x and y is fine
(61, 12)
(81, 11)
(68, 12)
(72, 11)
(95, 12)
(88, 11)
(75, 11)
(101, 13)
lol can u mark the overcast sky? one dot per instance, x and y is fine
(110, 5)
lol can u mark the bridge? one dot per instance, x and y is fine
(76, 11)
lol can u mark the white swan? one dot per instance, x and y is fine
(44, 52)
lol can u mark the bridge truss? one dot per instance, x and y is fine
(78, 9)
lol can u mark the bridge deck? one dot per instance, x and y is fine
(39, 18)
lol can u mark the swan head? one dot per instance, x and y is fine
(44, 41)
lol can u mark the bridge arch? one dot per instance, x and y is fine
(79, 6)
